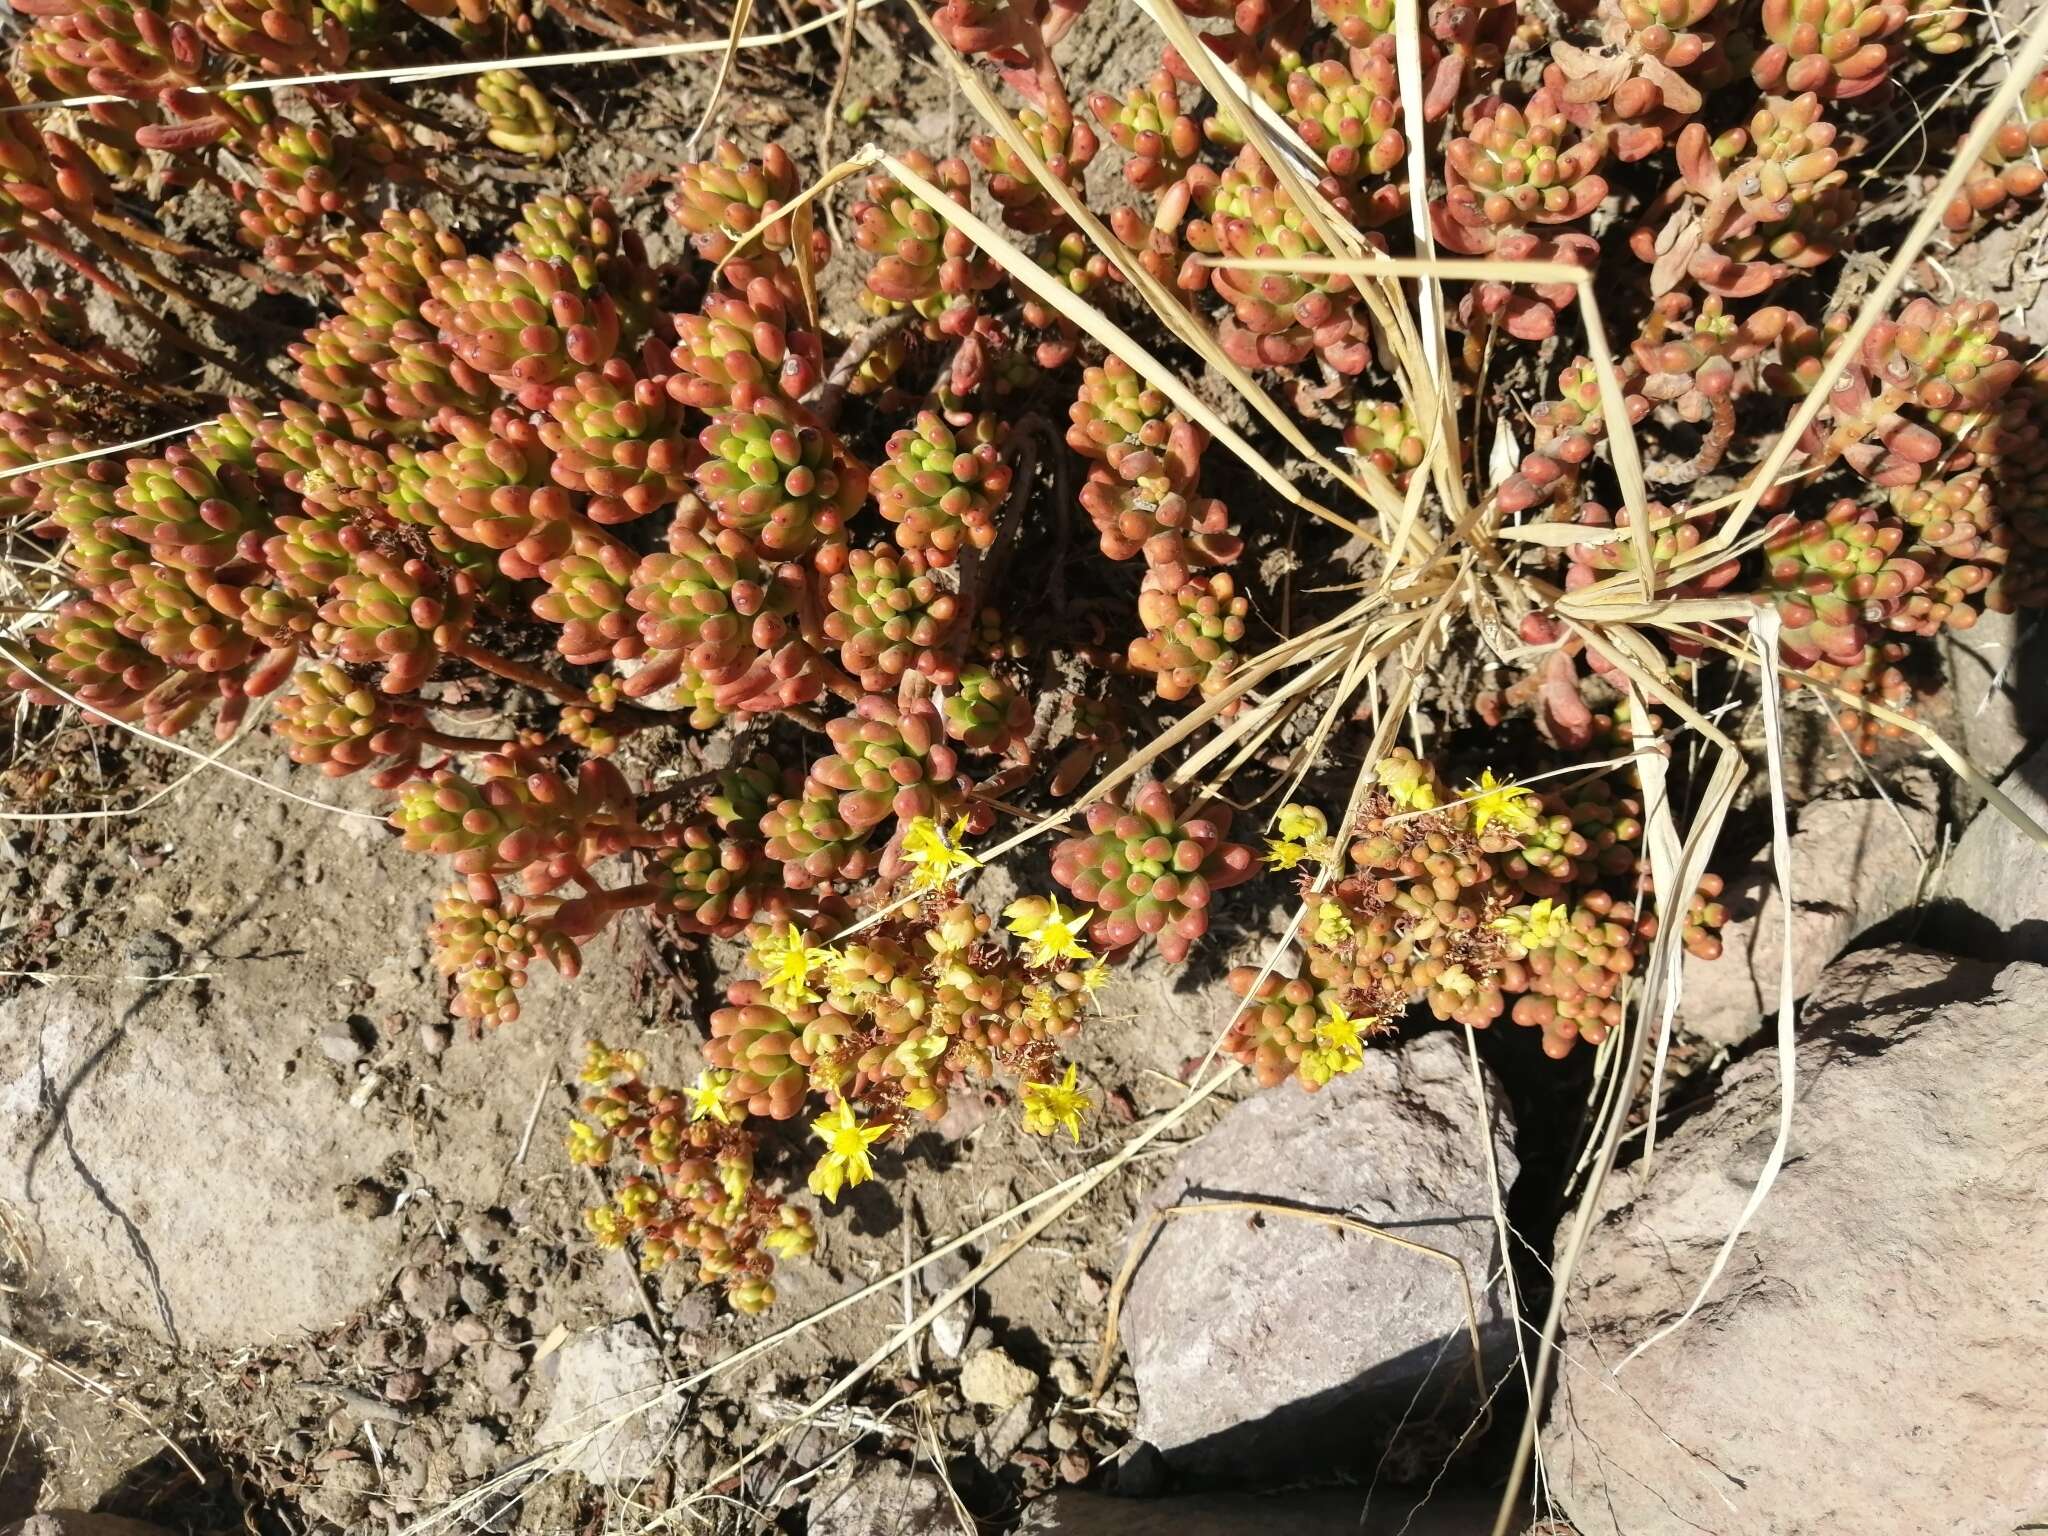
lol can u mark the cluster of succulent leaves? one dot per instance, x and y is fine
(522, 456)
(1479, 902)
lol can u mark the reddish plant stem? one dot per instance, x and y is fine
(517, 672)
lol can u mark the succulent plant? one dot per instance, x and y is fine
(718, 200)
(942, 487)
(922, 262)
(742, 344)
(888, 758)
(1066, 146)
(1838, 49)
(1348, 112)
(330, 719)
(774, 473)
(1151, 866)
(1767, 201)
(517, 117)
(1150, 126)
(983, 713)
(528, 325)
(1277, 319)
(2011, 169)
(1191, 633)
(891, 618)
(617, 437)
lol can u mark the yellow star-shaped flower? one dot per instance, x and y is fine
(1051, 1106)
(707, 1096)
(1049, 934)
(1283, 853)
(1406, 781)
(1302, 823)
(935, 855)
(1458, 982)
(1337, 1048)
(787, 964)
(1537, 926)
(847, 1138)
(1501, 800)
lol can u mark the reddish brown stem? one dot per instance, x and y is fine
(518, 672)
(448, 741)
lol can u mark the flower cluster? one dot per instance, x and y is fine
(1489, 900)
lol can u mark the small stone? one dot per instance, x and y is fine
(483, 1236)
(1068, 1376)
(340, 1493)
(406, 1386)
(471, 1331)
(610, 1381)
(152, 953)
(442, 1346)
(960, 1427)
(476, 1448)
(991, 1379)
(1074, 1467)
(1063, 1434)
(475, 1292)
(435, 1038)
(342, 1048)
(879, 1498)
(296, 1446)
(427, 1293)
(500, 1371)
(1007, 1435)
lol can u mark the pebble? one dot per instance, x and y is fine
(427, 1293)
(991, 1379)
(152, 953)
(1007, 1435)
(500, 1373)
(406, 1386)
(1075, 1466)
(1068, 1376)
(435, 1037)
(475, 1292)
(342, 1048)
(1062, 1434)
(476, 1447)
(482, 1236)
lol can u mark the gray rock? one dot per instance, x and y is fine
(341, 1047)
(608, 1387)
(1886, 1310)
(868, 1498)
(950, 1327)
(191, 1226)
(1009, 1434)
(340, 1494)
(71, 1522)
(1267, 1342)
(483, 1236)
(1998, 876)
(1852, 868)
(1334, 1513)
(427, 1293)
(991, 1379)
(476, 1448)
(1993, 714)
(152, 952)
